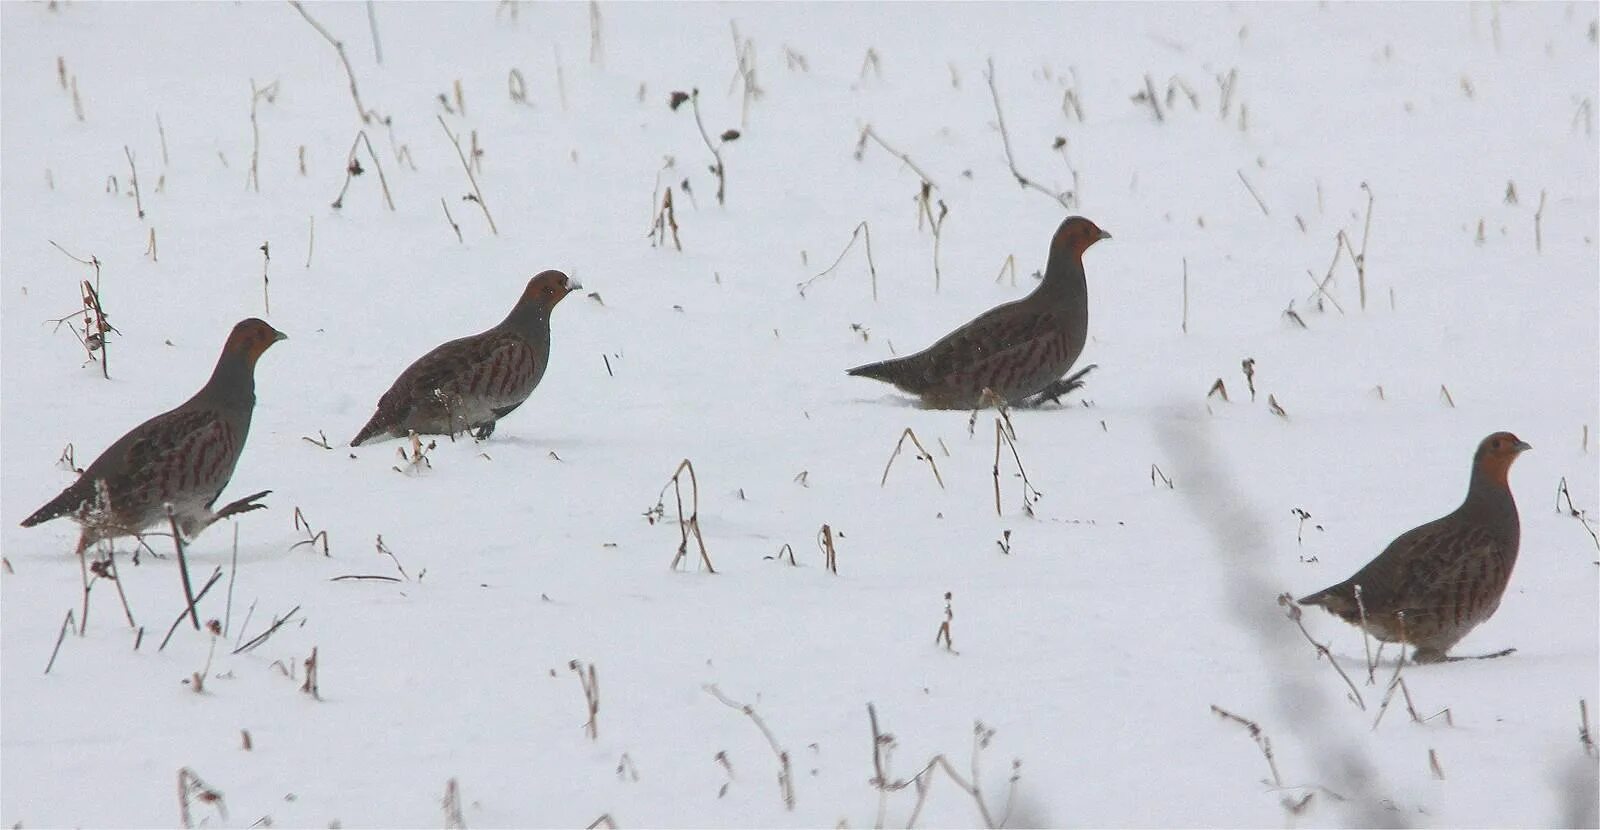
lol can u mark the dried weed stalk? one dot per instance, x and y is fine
(785, 772)
(861, 230)
(922, 455)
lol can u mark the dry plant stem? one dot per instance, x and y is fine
(785, 775)
(1185, 324)
(868, 132)
(116, 579)
(1152, 99)
(451, 803)
(861, 230)
(719, 169)
(266, 293)
(591, 697)
(138, 205)
(68, 621)
(451, 220)
(605, 820)
(1029, 494)
(1009, 265)
(191, 788)
(1366, 640)
(1361, 258)
(311, 239)
(310, 686)
(233, 572)
(273, 629)
(937, 225)
(830, 556)
(162, 133)
(1538, 226)
(1253, 194)
(477, 192)
(252, 181)
(216, 576)
(925, 456)
(350, 167)
(1258, 736)
(1584, 735)
(1293, 612)
(183, 567)
(1005, 141)
(355, 94)
(972, 788)
(561, 78)
(372, 23)
(693, 522)
(91, 302)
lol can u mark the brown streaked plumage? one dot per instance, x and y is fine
(1019, 350)
(1435, 583)
(470, 383)
(183, 457)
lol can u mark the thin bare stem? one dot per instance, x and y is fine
(1005, 140)
(1253, 194)
(183, 567)
(923, 455)
(372, 23)
(477, 192)
(338, 46)
(861, 230)
(785, 773)
(1258, 736)
(1292, 610)
(138, 204)
(718, 169)
(868, 132)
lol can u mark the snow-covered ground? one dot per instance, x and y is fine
(1094, 649)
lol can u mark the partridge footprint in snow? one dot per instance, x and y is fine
(470, 383)
(1019, 351)
(1435, 583)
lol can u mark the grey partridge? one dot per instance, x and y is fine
(470, 383)
(1018, 351)
(182, 458)
(1435, 583)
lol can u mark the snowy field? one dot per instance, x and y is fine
(1092, 635)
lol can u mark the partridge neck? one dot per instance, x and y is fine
(527, 318)
(1064, 275)
(234, 378)
(1488, 494)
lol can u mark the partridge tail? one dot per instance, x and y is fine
(377, 426)
(1335, 600)
(68, 501)
(888, 371)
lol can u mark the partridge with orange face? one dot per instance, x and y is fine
(1437, 582)
(470, 383)
(1018, 351)
(182, 458)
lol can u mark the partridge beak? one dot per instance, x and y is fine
(1104, 235)
(574, 285)
(279, 336)
(1522, 446)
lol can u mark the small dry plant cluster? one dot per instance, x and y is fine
(89, 323)
(687, 525)
(883, 746)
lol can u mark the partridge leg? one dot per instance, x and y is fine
(1056, 389)
(1501, 653)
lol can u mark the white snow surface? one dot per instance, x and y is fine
(1094, 649)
